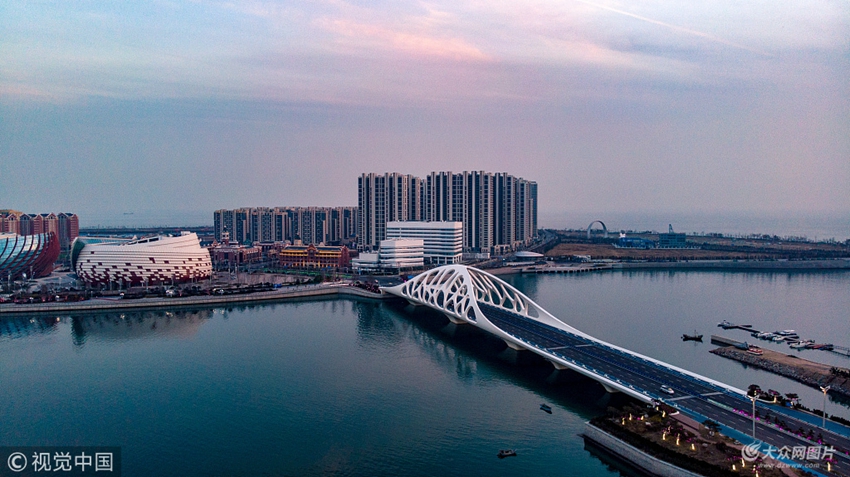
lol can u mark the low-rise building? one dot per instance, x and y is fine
(442, 241)
(312, 256)
(672, 239)
(402, 254)
(393, 255)
(149, 261)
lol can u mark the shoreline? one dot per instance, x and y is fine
(778, 265)
(101, 304)
(323, 290)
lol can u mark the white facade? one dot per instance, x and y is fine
(152, 260)
(402, 253)
(366, 262)
(442, 241)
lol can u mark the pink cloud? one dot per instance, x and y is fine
(415, 43)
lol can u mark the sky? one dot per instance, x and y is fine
(679, 107)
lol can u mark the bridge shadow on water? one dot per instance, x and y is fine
(466, 347)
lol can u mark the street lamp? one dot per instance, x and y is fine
(824, 389)
(753, 398)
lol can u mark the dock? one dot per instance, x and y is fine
(724, 341)
(842, 350)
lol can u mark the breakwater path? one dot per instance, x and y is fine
(802, 370)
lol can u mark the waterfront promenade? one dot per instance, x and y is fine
(106, 304)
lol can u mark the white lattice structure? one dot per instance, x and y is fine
(457, 291)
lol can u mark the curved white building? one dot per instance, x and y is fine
(147, 261)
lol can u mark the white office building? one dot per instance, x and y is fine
(442, 241)
(394, 254)
(402, 254)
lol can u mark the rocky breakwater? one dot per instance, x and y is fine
(801, 370)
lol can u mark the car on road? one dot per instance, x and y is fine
(667, 389)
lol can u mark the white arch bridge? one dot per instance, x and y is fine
(467, 295)
(470, 296)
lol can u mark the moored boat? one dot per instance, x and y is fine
(755, 350)
(803, 344)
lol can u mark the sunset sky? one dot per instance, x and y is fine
(612, 107)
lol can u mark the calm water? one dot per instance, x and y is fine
(342, 387)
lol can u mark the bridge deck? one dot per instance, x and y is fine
(692, 395)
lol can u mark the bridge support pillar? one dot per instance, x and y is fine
(454, 320)
(609, 388)
(558, 366)
(515, 346)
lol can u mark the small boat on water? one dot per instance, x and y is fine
(725, 324)
(506, 453)
(755, 350)
(693, 337)
(546, 408)
(803, 344)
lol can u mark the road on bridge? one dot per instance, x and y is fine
(693, 396)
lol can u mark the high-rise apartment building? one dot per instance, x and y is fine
(498, 210)
(389, 197)
(307, 225)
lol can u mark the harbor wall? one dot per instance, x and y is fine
(633, 455)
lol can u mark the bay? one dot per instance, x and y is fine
(341, 387)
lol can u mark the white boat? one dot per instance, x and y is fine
(803, 344)
(785, 333)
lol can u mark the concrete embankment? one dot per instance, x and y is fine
(633, 455)
(798, 265)
(113, 304)
(799, 369)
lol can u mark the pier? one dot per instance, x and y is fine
(726, 325)
(801, 370)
